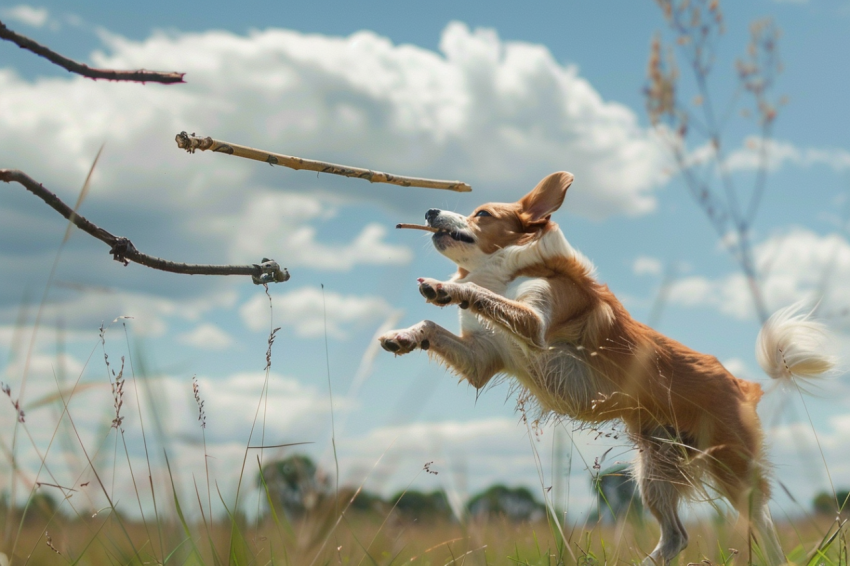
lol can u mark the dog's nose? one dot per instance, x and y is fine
(432, 214)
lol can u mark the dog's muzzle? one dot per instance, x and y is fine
(447, 226)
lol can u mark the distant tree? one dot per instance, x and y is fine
(41, 507)
(824, 503)
(616, 493)
(296, 484)
(423, 507)
(365, 501)
(516, 504)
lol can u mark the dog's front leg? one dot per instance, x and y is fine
(473, 355)
(516, 317)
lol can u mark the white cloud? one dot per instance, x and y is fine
(500, 114)
(149, 314)
(474, 454)
(795, 266)
(305, 310)
(206, 336)
(296, 413)
(497, 114)
(804, 457)
(738, 368)
(781, 153)
(232, 402)
(645, 265)
(275, 220)
(25, 14)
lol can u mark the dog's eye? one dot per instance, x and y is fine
(482, 213)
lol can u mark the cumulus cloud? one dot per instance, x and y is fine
(781, 153)
(645, 265)
(738, 368)
(149, 313)
(465, 112)
(206, 336)
(295, 413)
(307, 310)
(798, 265)
(279, 221)
(804, 456)
(476, 453)
(25, 14)
(501, 114)
(497, 114)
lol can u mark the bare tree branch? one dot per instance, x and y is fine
(140, 76)
(123, 250)
(192, 142)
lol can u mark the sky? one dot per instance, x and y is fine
(495, 94)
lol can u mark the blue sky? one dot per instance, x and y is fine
(494, 94)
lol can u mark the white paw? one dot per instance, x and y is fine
(401, 342)
(441, 294)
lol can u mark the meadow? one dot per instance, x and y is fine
(93, 479)
(95, 502)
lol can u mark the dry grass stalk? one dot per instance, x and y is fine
(202, 415)
(191, 143)
(49, 541)
(139, 76)
(16, 403)
(117, 393)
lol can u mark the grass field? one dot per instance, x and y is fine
(117, 495)
(369, 539)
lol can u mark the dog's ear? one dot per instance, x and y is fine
(546, 197)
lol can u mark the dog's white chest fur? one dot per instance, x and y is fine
(544, 371)
(528, 289)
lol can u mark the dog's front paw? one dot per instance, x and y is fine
(441, 294)
(401, 342)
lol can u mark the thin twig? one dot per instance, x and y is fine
(417, 227)
(191, 143)
(123, 250)
(139, 76)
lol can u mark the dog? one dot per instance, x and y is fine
(531, 309)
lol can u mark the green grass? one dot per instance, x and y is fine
(368, 539)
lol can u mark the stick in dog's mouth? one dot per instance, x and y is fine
(455, 234)
(418, 227)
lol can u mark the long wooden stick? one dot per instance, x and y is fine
(139, 76)
(124, 251)
(192, 142)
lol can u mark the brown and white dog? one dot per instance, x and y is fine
(532, 309)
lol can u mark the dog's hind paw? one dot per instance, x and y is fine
(401, 342)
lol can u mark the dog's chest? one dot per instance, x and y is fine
(533, 292)
(557, 375)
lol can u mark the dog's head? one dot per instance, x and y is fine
(470, 240)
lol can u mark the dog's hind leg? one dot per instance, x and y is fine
(660, 481)
(742, 480)
(760, 519)
(475, 356)
(738, 470)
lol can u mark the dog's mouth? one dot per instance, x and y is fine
(457, 235)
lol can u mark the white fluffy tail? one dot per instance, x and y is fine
(791, 345)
